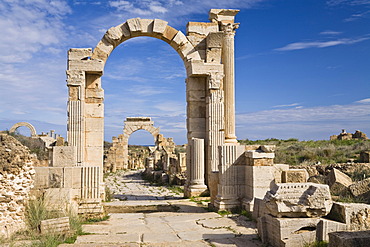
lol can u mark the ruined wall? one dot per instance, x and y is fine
(16, 180)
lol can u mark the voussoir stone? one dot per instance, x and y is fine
(298, 200)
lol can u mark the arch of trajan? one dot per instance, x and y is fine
(207, 51)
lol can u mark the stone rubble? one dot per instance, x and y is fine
(16, 181)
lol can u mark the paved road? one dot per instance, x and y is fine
(149, 215)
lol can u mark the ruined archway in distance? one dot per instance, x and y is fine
(24, 124)
(133, 124)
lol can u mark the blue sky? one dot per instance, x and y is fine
(302, 66)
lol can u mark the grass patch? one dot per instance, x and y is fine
(317, 244)
(247, 214)
(224, 212)
(95, 220)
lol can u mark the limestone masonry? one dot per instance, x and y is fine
(16, 181)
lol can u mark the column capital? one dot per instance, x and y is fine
(215, 80)
(229, 28)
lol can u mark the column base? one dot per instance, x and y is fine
(231, 140)
(230, 204)
(194, 190)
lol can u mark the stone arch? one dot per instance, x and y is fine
(133, 124)
(207, 51)
(155, 28)
(25, 124)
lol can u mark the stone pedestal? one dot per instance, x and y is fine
(195, 184)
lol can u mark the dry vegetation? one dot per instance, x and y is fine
(295, 152)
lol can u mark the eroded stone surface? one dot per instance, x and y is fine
(299, 200)
(16, 180)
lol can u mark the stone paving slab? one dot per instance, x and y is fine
(191, 225)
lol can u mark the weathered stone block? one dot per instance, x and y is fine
(295, 176)
(134, 25)
(159, 26)
(196, 124)
(55, 177)
(202, 28)
(95, 65)
(258, 181)
(79, 53)
(338, 181)
(56, 226)
(279, 170)
(215, 39)
(259, 208)
(72, 177)
(94, 124)
(259, 155)
(298, 200)
(94, 110)
(196, 84)
(41, 177)
(213, 55)
(64, 156)
(361, 188)
(287, 232)
(147, 25)
(201, 68)
(58, 198)
(259, 162)
(326, 226)
(196, 95)
(355, 215)
(196, 109)
(169, 33)
(349, 239)
(222, 15)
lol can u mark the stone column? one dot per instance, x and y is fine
(229, 80)
(195, 183)
(76, 126)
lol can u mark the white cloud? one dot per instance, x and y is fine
(174, 11)
(29, 26)
(289, 105)
(329, 32)
(320, 44)
(357, 16)
(364, 101)
(348, 2)
(311, 114)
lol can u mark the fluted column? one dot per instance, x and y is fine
(229, 80)
(195, 183)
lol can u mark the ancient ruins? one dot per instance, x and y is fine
(348, 136)
(289, 210)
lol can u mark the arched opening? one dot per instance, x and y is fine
(200, 52)
(19, 128)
